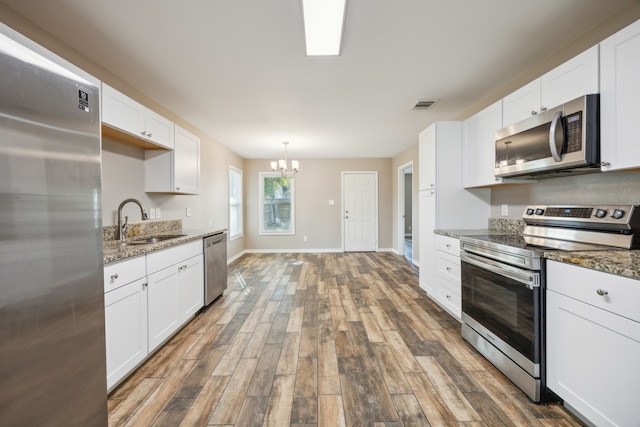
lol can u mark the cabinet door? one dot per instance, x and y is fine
(521, 104)
(186, 162)
(577, 77)
(190, 287)
(592, 358)
(159, 129)
(478, 150)
(122, 112)
(427, 158)
(162, 294)
(619, 108)
(427, 250)
(125, 329)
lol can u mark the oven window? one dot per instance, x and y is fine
(504, 306)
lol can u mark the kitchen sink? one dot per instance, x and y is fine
(153, 239)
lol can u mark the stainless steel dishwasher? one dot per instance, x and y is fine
(215, 266)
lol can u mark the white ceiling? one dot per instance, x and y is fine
(236, 69)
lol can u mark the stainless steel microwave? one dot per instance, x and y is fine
(561, 141)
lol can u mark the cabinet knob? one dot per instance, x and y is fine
(144, 133)
(448, 246)
(448, 269)
(543, 108)
(605, 164)
(534, 112)
(602, 292)
(448, 296)
(144, 285)
(114, 276)
(149, 134)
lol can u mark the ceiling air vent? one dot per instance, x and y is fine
(423, 105)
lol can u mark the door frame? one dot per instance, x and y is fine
(401, 203)
(342, 204)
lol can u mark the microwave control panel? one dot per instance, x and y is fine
(574, 132)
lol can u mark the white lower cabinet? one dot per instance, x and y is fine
(148, 299)
(593, 343)
(172, 290)
(163, 306)
(125, 329)
(448, 274)
(190, 287)
(125, 306)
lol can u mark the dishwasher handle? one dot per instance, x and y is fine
(216, 238)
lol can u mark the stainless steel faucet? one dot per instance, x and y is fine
(122, 228)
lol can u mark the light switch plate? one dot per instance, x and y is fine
(158, 216)
(505, 210)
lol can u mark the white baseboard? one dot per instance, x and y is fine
(293, 251)
(235, 257)
(388, 250)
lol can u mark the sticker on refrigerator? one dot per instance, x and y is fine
(83, 100)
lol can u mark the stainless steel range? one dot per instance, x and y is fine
(503, 282)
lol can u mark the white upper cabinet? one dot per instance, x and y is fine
(122, 113)
(619, 107)
(576, 77)
(176, 171)
(478, 147)
(521, 104)
(427, 159)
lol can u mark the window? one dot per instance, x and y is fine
(276, 204)
(235, 203)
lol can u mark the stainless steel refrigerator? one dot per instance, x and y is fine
(52, 348)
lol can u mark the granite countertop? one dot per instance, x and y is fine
(619, 262)
(114, 252)
(624, 263)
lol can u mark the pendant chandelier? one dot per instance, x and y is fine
(283, 165)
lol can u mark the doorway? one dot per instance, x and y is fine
(360, 211)
(405, 210)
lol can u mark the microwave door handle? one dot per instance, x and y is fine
(556, 137)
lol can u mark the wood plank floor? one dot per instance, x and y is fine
(342, 339)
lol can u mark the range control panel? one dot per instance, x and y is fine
(584, 216)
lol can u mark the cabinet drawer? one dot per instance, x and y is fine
(122, 272)
(164, 258)
(620, 295)
(448, 265)
(448, 244)
(449, 295)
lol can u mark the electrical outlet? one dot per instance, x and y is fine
(187, 212)
(331, 202)
(305, 238)
(158, 216)
(505, 210)
(152, 213)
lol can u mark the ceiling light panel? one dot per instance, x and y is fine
(323, 26)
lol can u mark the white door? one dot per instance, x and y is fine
(360, 202)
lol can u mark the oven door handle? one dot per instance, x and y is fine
(529, 278)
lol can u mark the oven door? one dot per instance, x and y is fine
(503, 304)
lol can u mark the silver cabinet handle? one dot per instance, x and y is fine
(534, 112)
(543, 108)
(144, 133)
(602, 292)
(448, 246)
(149, 135)
(114, 276)
(605, 164)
